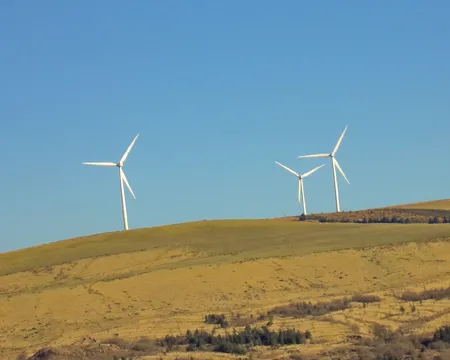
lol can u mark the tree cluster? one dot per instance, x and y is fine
(439, 220)
(393, 345)
(303, 309)
(442, 334)
(215, 319)
(394, 219)
(237, 342)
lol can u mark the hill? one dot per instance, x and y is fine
(115, 288)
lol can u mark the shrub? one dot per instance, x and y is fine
(308, 309)
(365, 299)
(216, 320)
(230, 348)
(383, 333)
(411, 296)
(170, 341)
(436, 294)
(442, 334)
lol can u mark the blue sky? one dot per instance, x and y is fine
(218, 91)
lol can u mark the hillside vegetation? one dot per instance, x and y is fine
(431, 212)
(123, 293)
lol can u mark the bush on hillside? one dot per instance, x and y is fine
(388, 216)
(215, 319)
(239, 320)
(365, 299)
(436, 294)
(304, 309)
(442, 334)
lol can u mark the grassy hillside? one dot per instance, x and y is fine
(164, 280)
(240, 238)
(443, 204)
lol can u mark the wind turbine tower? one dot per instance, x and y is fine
(122, 177)
(335, 165)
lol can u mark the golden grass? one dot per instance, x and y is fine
(164, 280)
(223, 239)
(443, 204)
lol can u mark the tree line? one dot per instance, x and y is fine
(395, 219)
(236, 342)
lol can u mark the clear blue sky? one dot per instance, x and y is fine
(218, 90)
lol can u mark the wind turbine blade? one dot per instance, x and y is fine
(124, 178)
(312, 171)
(339, 141)
(127, 184)
(290, 170)
(100, 163)
(125, 155)
(313, 156)
(340, 170)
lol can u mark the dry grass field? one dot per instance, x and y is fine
(443, 204)
(73, 294)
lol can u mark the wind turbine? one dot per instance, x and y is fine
(301, 190)
(335, 165)
(122, 177)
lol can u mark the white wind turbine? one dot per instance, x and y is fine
(123, 179)
(335, 165)
(301, 190)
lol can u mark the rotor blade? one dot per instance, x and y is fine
(312, 171)
(340, 170)
(313, 156)
(290, 170)
(339, 141)
(125, 155)
(127, 184)
(100, 163)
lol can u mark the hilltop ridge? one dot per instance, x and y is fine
(260, 237)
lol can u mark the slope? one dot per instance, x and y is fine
(220, 238)
(164, 280)
(443, 204)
